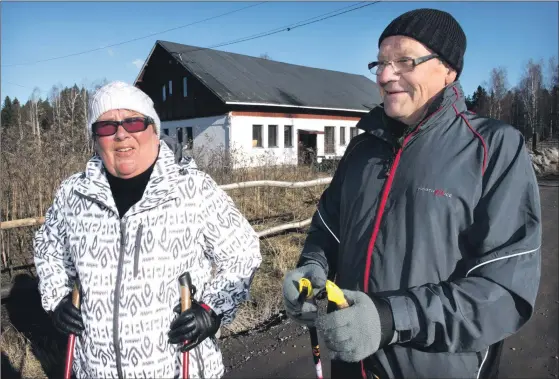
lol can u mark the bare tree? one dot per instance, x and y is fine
(553, 85)
(56, 103)
(265, 56)
(530, 87)
(498, 84)
(34, 115)
(71, 103)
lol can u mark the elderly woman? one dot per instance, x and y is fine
(127, 228)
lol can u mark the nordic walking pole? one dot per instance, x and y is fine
(186, 300)
(72, 337)
(305, 292)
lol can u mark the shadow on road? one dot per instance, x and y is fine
(25, 313)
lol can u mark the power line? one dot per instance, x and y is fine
(287, 28)
(135, 39)
(15, 84)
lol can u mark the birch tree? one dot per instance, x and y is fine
(498, 84)
(530, 87)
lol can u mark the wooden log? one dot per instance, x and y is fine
(21, 223)
(284, 227)
(274, 183)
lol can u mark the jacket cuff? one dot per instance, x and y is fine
(386, 320)
(406, 320)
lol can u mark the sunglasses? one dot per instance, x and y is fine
(131, 125)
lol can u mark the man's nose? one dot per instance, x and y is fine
(387, 75)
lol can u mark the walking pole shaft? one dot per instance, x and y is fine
(185, 283)
(305, 291)
(71, 337)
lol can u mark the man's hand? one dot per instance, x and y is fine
(67, 318)
(354, 333)
(193, 325)
(305, 313)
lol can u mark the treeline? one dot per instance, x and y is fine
(532, 105)
(43, 141)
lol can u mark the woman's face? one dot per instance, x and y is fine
(125, 154)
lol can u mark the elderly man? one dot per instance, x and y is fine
(431, 225)
(127, 228)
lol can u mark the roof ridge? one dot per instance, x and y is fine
(199, 48)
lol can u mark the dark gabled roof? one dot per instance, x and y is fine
(237, 78)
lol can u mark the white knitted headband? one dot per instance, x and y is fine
(120, 95)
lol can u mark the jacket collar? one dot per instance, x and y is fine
(446, 106)
(161, 186)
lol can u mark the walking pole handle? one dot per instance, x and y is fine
(336, 295)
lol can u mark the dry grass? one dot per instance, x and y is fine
(280, 254)
(18, 353)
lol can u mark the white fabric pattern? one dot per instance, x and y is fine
(129, 268)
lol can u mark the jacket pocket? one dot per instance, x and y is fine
(137, 247)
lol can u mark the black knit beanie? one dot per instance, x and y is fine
(437, 30)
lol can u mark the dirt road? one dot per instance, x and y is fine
(283, 351)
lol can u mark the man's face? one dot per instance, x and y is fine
(407, 94)
(125, 154)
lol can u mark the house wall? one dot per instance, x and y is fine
(199, 101)
(242, 129)
(210, 135)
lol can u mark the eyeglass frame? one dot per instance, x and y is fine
(147, 122)
(415, 63)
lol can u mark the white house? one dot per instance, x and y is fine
(259, 110)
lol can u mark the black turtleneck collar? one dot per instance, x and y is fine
(127, 192)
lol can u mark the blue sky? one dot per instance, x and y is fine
(499, 34)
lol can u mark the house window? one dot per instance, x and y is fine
(170, 87)
(166, 132)
(189, 138)
(164, 93)
(352, 132)
(184, 91)
(256, 135)
(179, 135)
(288, 136)
(342, 135)
(329, 140)
(184, 136)
(272, 136)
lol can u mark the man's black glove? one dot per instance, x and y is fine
(67, 318)
(193, 325)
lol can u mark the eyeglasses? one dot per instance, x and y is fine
(131, 125)
(399, 66)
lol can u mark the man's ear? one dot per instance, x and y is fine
(450, 76)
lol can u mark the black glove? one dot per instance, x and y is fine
(67, 318)
(193, 325)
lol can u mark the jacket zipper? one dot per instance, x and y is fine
(384, 198)
(137, 249)
(116, 299)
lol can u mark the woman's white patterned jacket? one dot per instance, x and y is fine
(128, 268)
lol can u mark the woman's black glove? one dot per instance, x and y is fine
(67, 318)
(193, 325)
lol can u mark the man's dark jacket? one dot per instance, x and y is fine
(444, 224)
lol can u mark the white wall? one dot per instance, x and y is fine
(208, 133)
(241, 138)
